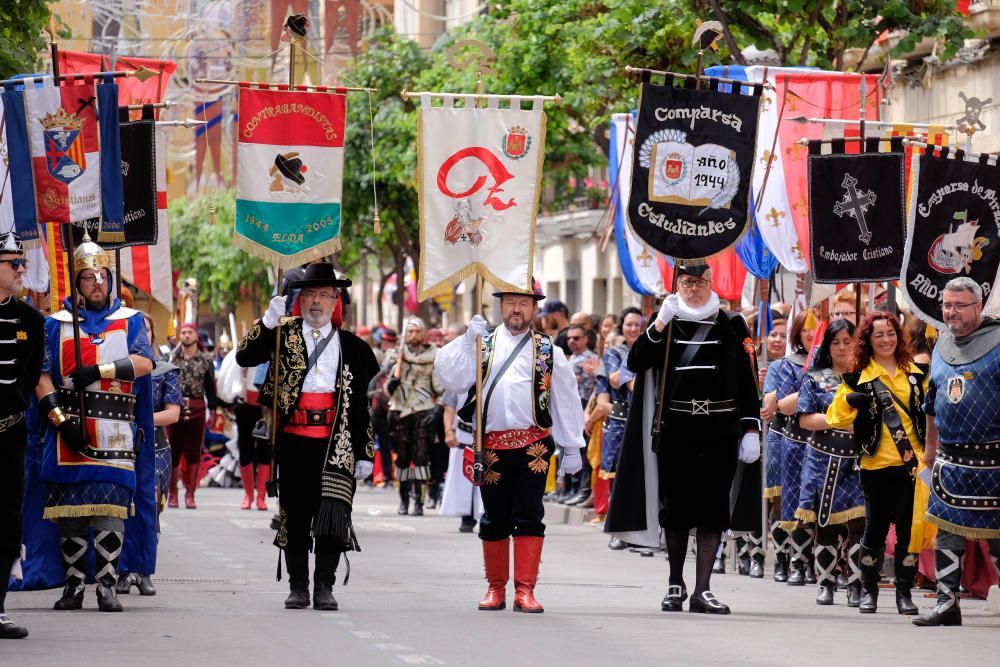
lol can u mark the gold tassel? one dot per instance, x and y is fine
(930, 333)
(377, 224)
(170, 176)
(810, 323)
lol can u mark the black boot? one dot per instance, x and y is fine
(720, 560)
(854, 575)
(871, 571)
(107, 550)
(948, 565)
(124, 585)
(583, 495)
(404, 498)
(433, 495)
(756, 544)
(801, 543)
(74, 552)
(417, 491)
(810, 557)
(780, 537)
(826, 562)
(297, 564)
(906, 573)
(742, 557)
(324, 577)
(145, 585)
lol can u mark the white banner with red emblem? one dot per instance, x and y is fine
(479, 174)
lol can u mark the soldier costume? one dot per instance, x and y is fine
(707, 425)
(103, 478)
(22, 350)
(533, 405)
(324, 439)
(963, 402)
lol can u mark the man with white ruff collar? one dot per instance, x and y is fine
(709, 424)
(963, 441)
(324, 439)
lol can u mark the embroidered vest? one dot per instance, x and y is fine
(541, 381)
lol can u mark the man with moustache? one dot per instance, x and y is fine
(324, 435)
(530, 404)
(963, 441)
(197, 378)
(100, 477)
(22, 334)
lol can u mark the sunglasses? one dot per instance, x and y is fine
(15, 263)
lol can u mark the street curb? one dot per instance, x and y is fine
(556, 513)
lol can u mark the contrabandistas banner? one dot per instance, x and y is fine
(290, 161)
(857, 217)
(954, 229)
(692, 168)
(479, 172)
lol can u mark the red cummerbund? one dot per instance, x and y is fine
(314, 416)
(514, 438)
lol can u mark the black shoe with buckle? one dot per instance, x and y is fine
(674, 599)
(706, 603)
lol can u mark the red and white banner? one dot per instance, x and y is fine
(480, 179)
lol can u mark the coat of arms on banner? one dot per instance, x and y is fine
(64, 152)
(692, 168)
(954, 229)
(478, 196)
(857, 221)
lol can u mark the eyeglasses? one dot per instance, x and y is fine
(319, 296)
(574, 337)
(693, 282)
(846, 313)
(89, 279)
(957, 306)
(15, 263)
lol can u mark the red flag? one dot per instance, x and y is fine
(144, 88)
(728, 273)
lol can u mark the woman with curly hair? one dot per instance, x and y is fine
(882, 399)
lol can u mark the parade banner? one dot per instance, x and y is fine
(18, 189)
(142, 86)
(139, 180)
(479, 174)
(290, 166)
(76, 158)
(857, 213)
(692, 168)
(638, 263)
(953, 226)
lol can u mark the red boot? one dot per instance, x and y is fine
(175, 475)
(246, 476)
(191, 478)
(496, 556)
(527, 556)
(263, 476)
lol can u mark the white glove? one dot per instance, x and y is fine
(362, 469)
(667, 309)
(750, 447)
(275, 311)
(572, 461)
(477, 327)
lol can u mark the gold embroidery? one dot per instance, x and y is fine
(281, 539)
(343, 453)
(536, 452)
(490, 476)
(370, 447)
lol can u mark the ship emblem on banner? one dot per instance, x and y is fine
(478, 196)
(954, 228)
(857, 217)
(290, 161)
(692, 167)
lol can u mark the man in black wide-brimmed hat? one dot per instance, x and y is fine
(324, 439)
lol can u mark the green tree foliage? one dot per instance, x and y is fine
(206, 252)
(21, 37)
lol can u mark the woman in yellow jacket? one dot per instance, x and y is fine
(881, 399)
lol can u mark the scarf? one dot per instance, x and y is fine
(707, 311)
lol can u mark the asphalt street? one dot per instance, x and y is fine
(412, 600)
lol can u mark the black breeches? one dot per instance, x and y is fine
(300, 463)
(888, 500)
(252, 450)
(12, 445)
(512, 491)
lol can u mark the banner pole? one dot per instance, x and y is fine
(479, 455)
(666, 366)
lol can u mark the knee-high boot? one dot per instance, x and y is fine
(756, 547)
(801, 544)
(297, 565)
(948, 568)
(74, 553)
(906, 573)
(826, 564)
(496, 560)
(246, 476)
(780, 537)
(871, 572)
(191, 478)
(324, 577)
(263, 477)
(527, 557)
(175, 476)
(404, 497)
(854, 577)
(107, 551)
(742, 556)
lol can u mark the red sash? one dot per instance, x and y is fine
(312, 402)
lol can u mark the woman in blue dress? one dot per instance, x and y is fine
(830, 496)
(775, 345)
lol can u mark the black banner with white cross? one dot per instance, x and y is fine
(857, 223)
(954, 223)
(692, 166)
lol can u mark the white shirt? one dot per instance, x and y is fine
(322, 378)
(511, 405)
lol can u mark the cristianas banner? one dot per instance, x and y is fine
(856, 213)
(479, 173)
(954, 228)
(290, 167)
(692, 168)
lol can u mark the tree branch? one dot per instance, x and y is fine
(734, 49)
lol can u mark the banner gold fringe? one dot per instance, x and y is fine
(772, 492)
(76, 511)
(964, 531)
(286, 261)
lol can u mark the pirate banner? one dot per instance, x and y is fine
(856, 213)
(954, 229)
(139, 180)
(76, 158)
(692, 167)
(290, 171)
(479, 172)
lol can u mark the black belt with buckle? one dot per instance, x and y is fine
(794, 432)
(100, 404)
(706, 407)
(464, 426)
(834, 442)
(323, 417)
